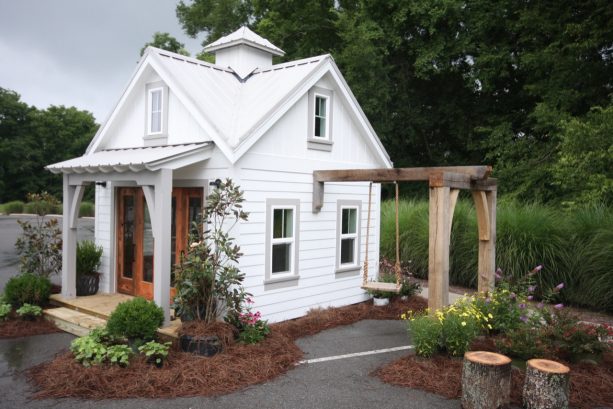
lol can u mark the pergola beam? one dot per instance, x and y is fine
(398, 174)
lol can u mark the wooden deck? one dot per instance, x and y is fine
(82, 314)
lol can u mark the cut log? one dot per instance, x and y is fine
(486, 380)
(546, 385)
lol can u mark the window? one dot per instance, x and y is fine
(320, 119)
(282, 231)
(155, 111)
(156, 114)
(348, 236)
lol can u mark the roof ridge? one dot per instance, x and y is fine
(190, 60)
(293, 63)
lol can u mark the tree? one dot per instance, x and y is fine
(166, 42)
(31, 138)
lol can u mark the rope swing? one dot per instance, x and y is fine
(376, 285)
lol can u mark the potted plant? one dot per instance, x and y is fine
(88, 262)
(408, 288)
(380, 298)
(208, 282)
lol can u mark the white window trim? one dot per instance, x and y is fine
(355, 266)
(150, 92)
(317, 142)
(283, 279)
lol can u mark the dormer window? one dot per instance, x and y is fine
(156, 115)
(155, 111)
(320, 119)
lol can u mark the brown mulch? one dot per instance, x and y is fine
(224, 331)
(591, 386)
(185, 374)
(15, 327)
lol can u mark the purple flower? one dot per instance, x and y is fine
(531, 288)
(488, 300)
(540, 305)
(498, 274)
(559, 286)
(522, 306)
(523, 318)
(512, 296)
(530, 298)
(538, 268)
(558, 306)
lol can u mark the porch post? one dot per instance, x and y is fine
(161, 247)
(438, 254)
(69, 243)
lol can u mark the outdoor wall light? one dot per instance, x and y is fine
(216, 183)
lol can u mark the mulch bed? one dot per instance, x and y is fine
(591, 386)
(185, 374)
(15, 327)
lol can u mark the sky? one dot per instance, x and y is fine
(79, 53)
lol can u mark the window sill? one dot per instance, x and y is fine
(281, 282)
(155, 140)
(319, 144)
(349, 271)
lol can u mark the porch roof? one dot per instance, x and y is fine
(129, 159)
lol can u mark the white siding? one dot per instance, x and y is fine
(103, 230)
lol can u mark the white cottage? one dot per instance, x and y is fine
(182, 123)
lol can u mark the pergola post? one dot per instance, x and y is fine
(438, 250)
(485, 204)
(161, 221)
(72, 195)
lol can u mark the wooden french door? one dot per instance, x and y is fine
(135, 273)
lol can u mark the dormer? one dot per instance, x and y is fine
(243, 51)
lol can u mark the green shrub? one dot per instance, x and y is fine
(5, 310)
(27, 289)
(29, 311)
(458, 330)
(119, 354)
(88, 350)
(88, 257)
(136, 319)
(155, 351)
(575, 247)
(15, 206)
(426, 334)
(87, 209)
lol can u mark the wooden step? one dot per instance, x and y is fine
(72, 321)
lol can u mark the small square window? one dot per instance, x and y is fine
(348, 241)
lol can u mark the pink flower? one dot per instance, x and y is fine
(512, 296)
(538, 268)
(558, 306)
(530, 298)
(540, 305)
(559, 286)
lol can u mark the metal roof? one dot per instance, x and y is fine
(128, 159)
(244, 36)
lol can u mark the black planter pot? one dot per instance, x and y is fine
(205, 346)
(87, 284)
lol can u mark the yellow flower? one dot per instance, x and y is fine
(489, 326)
(490, 315)
(463, 323)
(403, 317)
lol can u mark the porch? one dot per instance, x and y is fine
(79, 315)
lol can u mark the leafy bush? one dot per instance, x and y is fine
(87, 209)
(575, 247)
(88, 257)
(88, 350)
(40, 247)
(426, 334)
(28, 311)
(207, 280)
(155, 351)
(42, 204)
(15, 206)
(461, 323)
(27, 289)
(252, 328)
(136, 319)
(5, 310)
(119, 354)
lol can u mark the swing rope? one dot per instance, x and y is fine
(378, 285)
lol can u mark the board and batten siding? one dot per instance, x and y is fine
(103, 229)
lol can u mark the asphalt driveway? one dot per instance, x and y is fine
(332, 383)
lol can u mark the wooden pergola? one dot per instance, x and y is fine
(445, 184)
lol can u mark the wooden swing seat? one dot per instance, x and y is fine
(377, 286)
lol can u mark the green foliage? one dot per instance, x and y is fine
(119, 354)
(88, 350)
(5, 310)
(31, 138)
(166, 42)
(16, 206)
(252, 328)
(87, 209)
(27, 288)
(426, 333)
(29, 311)
(523, 343)
(575, 247)
(136, 319)
(208, 280)
(88, 257)
(155, 351)
(40, 247)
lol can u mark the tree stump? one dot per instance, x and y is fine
(546, 385)
(486, 380)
